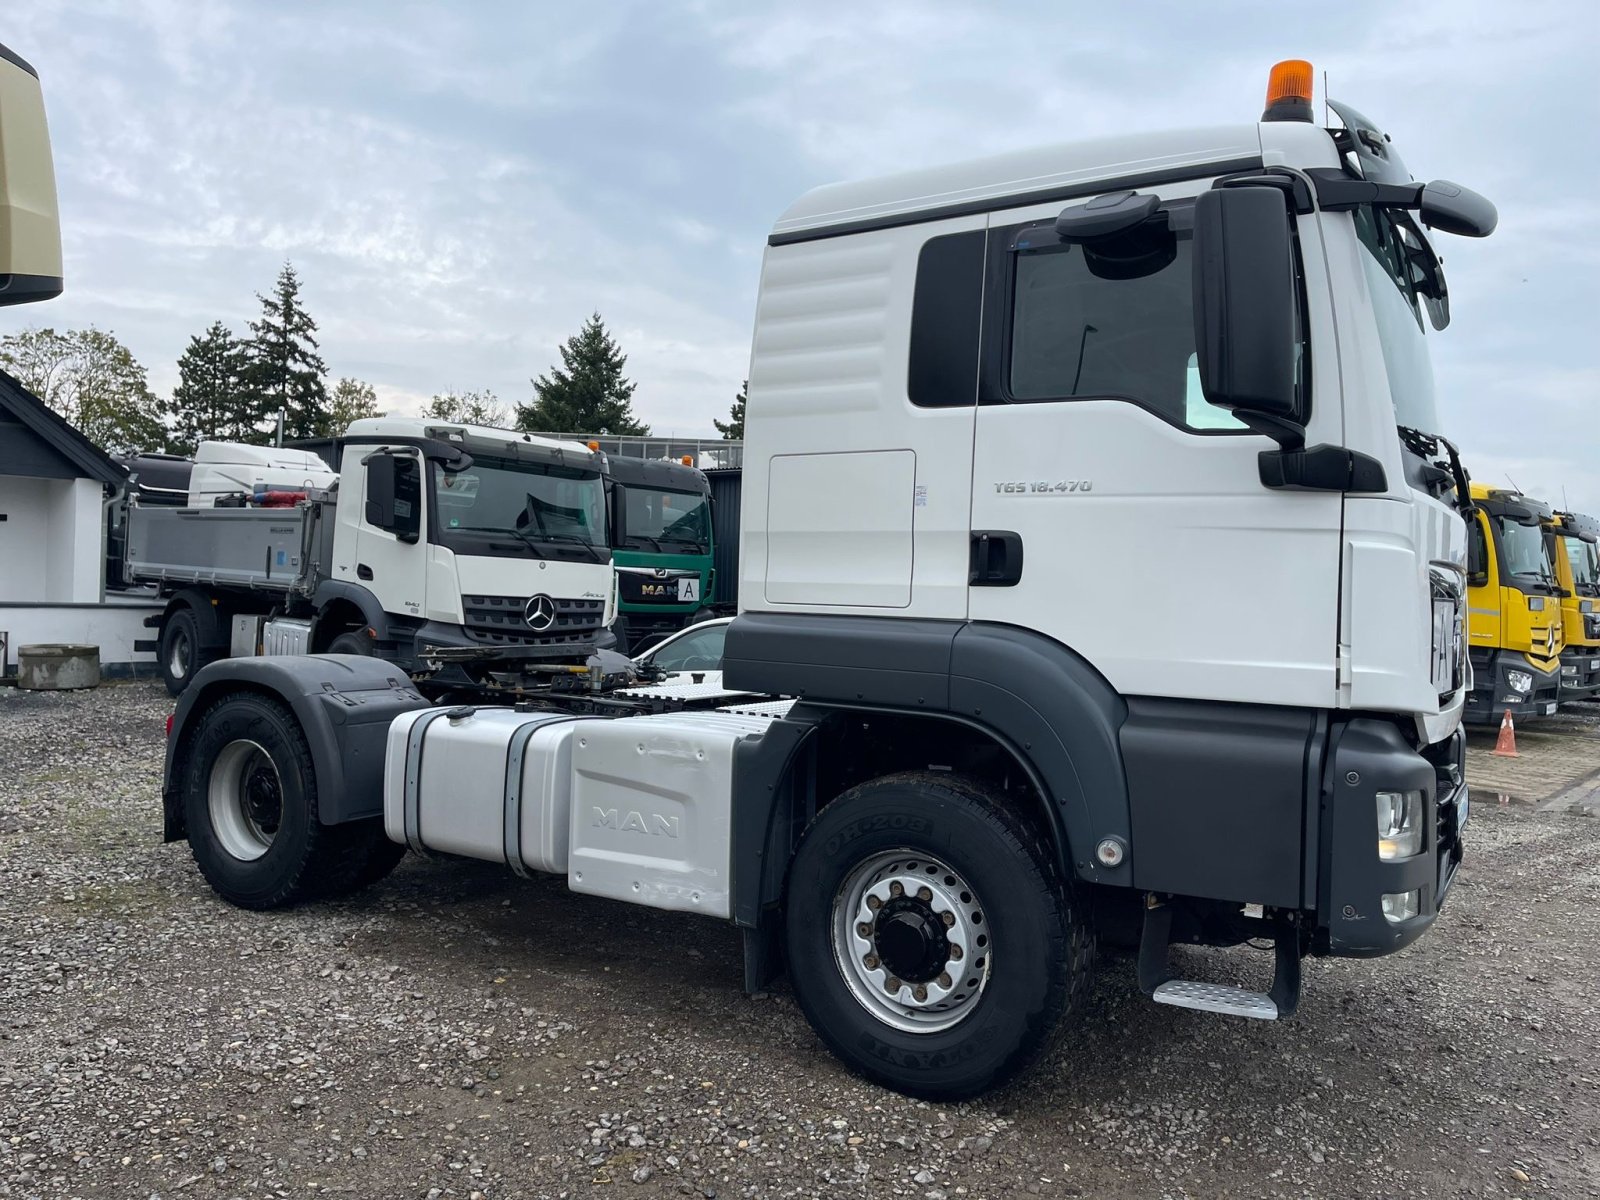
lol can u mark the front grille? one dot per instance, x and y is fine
(500, 621)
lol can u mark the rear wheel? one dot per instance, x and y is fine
(250, 802)
(180, 652)
(931, 943)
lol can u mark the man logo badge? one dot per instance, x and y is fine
(540, 613)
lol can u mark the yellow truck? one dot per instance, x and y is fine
(1576, 555)
(1515, 617)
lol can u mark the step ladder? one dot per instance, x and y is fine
(1157, 982)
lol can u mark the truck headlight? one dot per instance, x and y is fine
(1520, 681)
(1535, 603)
(1569, 669)
(1399, 825)
(1586, 606)
(1401, 906)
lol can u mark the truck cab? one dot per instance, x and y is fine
(1576, 557)
(1515, 622)
(499, 540)
(661, 545)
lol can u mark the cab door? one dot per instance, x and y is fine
(1140, 532)
(391, 534)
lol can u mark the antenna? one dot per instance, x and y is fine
(1514, 486)
(1326, 119)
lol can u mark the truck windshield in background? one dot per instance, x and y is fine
(504, 507)
(655, 519)
(1585, 560)
(1392, 250)
(1523, 551)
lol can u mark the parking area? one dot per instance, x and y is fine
(454, 1032)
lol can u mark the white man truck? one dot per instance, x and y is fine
(434, 542)
(972, 389)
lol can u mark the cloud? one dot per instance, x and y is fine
(461, 186)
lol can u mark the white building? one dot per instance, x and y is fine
(55, 488)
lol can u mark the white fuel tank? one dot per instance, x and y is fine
(485, 783)
(635, 808)
(651, 802)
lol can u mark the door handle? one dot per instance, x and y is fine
(996, 559)
(363, 571)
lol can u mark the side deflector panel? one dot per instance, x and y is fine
(651, 803)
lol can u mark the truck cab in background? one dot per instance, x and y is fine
(661, 543)
(1515, 626)
(431, 538)
(1575, 553)
(30, 221)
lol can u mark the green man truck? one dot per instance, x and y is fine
(661, 546)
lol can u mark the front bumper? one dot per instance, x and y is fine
(1370, 756)
(1580, 672)
(1492, 693)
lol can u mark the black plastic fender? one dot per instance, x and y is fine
(1042, 701)
(343, 702)
(330, 590)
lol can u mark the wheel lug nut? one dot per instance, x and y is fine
(874, 903)
(949, 919)
(924, 894)
(896, 890)
(945, 980)
(956, 953)
(891, 985)
(920, 992)
(864, 929)
(871, 962)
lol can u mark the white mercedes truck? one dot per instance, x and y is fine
(433, 542)
(964, 737)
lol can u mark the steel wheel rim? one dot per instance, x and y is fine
(178, 657)
(245, 798)
(885, 917)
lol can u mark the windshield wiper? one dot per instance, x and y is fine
(643, 537)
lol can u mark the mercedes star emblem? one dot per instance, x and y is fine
(540, 613)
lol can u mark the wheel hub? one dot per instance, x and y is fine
(910, 942)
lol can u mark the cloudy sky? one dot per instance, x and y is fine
(460, 185)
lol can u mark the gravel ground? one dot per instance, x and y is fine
(454, 1032)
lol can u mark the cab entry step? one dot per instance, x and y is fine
(1217, 998)
(1157, 982)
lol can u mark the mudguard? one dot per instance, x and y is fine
(344, 704)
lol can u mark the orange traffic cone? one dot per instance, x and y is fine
(1506, 744)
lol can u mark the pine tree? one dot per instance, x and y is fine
(352, 401)
(469, 408)
(587, 393)
(732, 430)
(210, 402)
(285, 373)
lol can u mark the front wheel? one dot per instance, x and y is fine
(353, 643)
(932, 944)
(250, 802)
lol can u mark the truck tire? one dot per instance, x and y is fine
(352, 643)
(181, 652)
(366, 855)
(250, 802)
(893, 897)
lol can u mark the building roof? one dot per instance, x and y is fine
(37, 441)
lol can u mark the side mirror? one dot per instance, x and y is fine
(380, 490)
(30, 224)
(1451, 208)
(1245, 304)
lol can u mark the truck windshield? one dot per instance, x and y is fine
(1397, 309)
(1585, 567)
(1522, 550)
(504, 504)
(652, 518)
